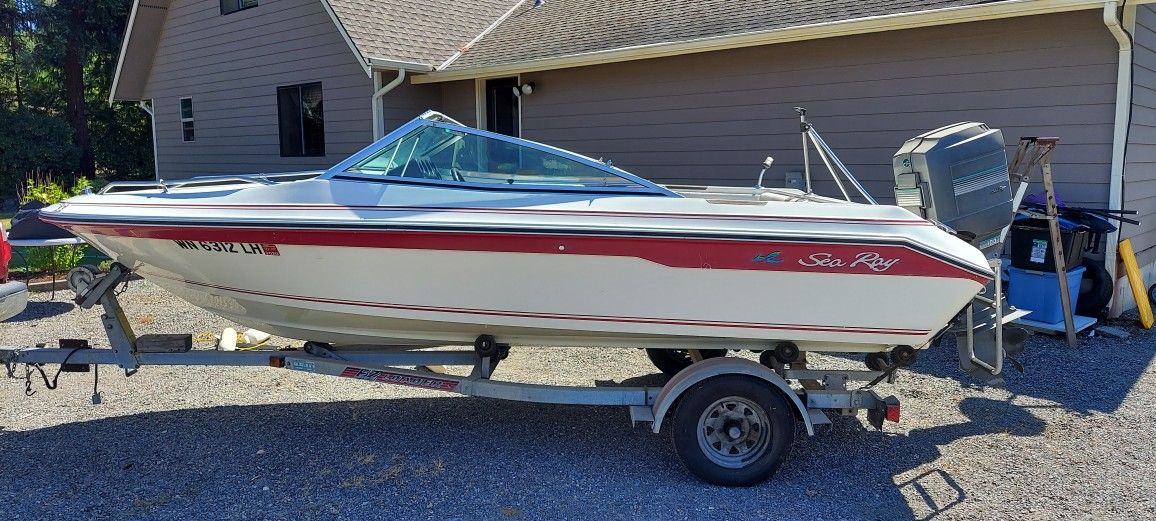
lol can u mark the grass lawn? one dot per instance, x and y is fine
(6, 220)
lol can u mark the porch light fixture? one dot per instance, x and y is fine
(524, 89)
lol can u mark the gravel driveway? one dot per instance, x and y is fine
(1071, 438)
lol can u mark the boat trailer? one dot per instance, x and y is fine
(733, 419)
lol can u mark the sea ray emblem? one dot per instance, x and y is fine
(770, 258)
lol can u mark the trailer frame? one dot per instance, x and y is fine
(828, 391)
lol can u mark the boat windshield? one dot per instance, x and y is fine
(437, 152)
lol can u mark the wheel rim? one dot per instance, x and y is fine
(733, 432)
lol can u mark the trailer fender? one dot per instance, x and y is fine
(712, 367)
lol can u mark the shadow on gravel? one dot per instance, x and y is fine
(37, 310)
(455, 458)
(937, 489)
(1096, 376)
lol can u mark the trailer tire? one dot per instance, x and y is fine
(878, 361)
(671, 361)
(1095, 289)
(733, 430)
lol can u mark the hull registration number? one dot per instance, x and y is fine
(250, 248)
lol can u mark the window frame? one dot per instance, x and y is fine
(190, 120)
(299, 88)
(236, 6)
(341, 170)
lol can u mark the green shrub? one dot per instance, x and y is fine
(46, 190)
(40, 259)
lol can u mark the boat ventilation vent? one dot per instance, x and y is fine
(909, 198)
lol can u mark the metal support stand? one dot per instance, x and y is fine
(52, 244)
(92, 288)
(981, 339)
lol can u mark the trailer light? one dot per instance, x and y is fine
(892, 413)
(276, 361)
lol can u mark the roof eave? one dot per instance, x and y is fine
(873, 24)
(362, 60)
(112, 97)
(392, 64)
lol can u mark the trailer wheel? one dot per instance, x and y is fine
(733, 430)
(878, 361)
(671, 361)
(1095, 289)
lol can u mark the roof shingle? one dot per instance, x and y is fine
(421, 31)
(569, 27)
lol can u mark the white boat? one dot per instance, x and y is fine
(438, 233)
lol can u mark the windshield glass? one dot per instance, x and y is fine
(431, 152)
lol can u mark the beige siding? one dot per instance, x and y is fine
(713, 117)
(232, 65)
(1140, 175)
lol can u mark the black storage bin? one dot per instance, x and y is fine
(1031, 245)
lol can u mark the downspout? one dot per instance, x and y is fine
(153, 122)
(1119, 133)
(378, 109)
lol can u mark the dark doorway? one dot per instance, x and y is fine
(502, 107)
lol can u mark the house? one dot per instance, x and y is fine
(677, 91)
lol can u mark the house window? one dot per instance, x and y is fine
(301, 118)
(232, 6)
(187, 134)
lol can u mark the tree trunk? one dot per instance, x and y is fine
(74, 89)
(14, 50)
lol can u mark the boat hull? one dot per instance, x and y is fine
(421, 288)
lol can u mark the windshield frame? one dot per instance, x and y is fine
(433, 119)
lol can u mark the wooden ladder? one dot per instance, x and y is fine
(1042, 154)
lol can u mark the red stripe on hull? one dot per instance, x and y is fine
(806, 257)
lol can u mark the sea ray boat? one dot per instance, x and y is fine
(438, 233)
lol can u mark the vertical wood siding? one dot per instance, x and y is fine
(1140, 174)
(713, 117)
(232, 65)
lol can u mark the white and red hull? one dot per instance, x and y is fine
(614, 272)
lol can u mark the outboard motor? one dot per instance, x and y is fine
(958, 177)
